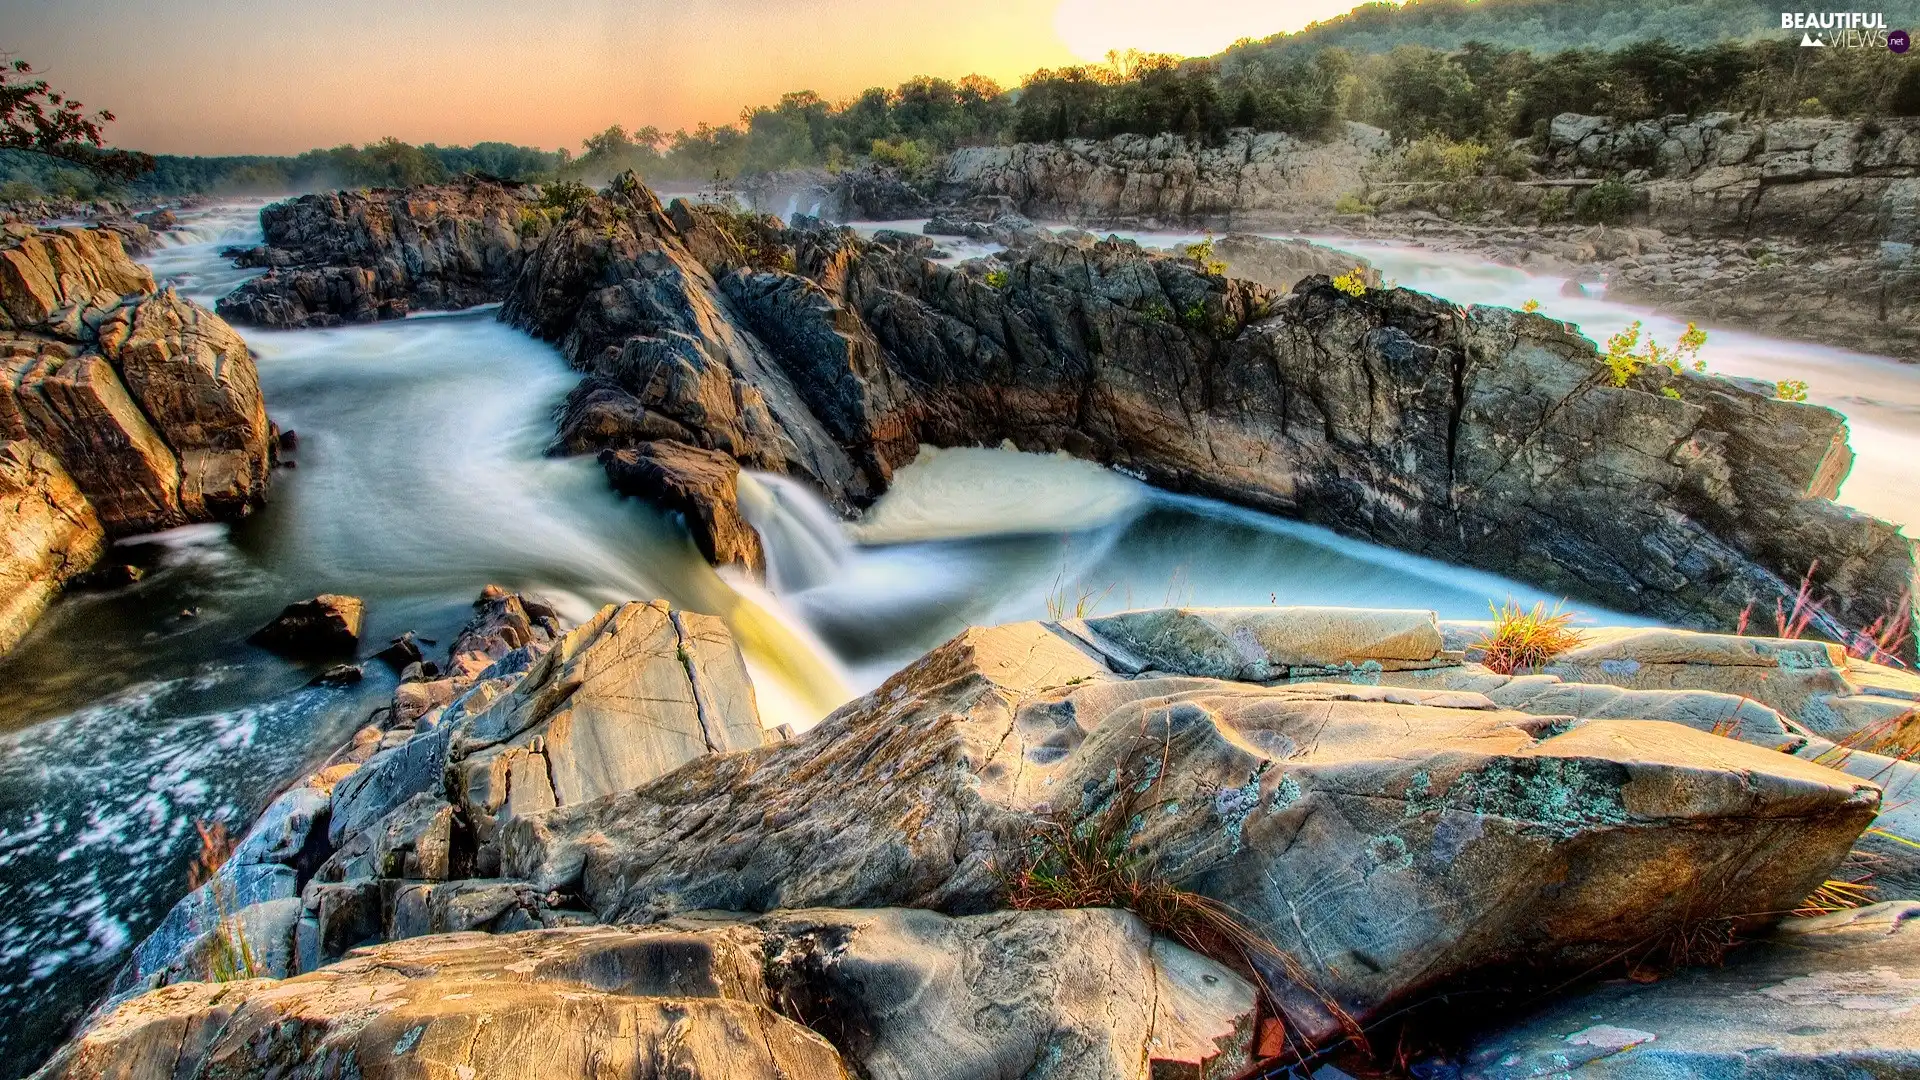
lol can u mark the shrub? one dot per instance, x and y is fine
(911, 157)
(1525, 639)
(1439, 158)
(1202, 253)
(1624, 362)
(1354, 283)
(758, 236)
(1605, 203)
(1670, 392)
(1553, 205)
(1350, 203)
(1530, 306)
(230, 956)
(997, 278)
(1790, 390)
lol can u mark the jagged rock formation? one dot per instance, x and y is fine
(1481, 436)
(123, 409)
(358, 256)
(899, 995)
(1817, 178)
(51, 534)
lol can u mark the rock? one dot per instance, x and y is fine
(400, 652)
(338, 675)
(1438, 835)
(701, 486)
(49, 534)
(524, 1006)
(1482, 436)
(895, 994)
(628, 696)
(1252, 179)
(1826, 996)
(1282, 263)
(108, 576)
(123, 409)
(360, 256)
(326, 625)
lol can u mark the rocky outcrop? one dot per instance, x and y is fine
(359, 256)
(1481, 436)
(1826, 996)
(867, 193)
(895, 995)
(1392, 841)
(126, 408)
(1253, 179)
(1396, 820)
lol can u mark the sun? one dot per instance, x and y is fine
(1092, 28)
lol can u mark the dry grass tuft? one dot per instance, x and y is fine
(230, 956)
(1524, 639)
(1090, 862)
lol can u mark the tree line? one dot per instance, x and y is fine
(1485, 93)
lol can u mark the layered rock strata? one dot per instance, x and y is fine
(124, 408)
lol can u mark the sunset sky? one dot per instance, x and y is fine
(269, 76)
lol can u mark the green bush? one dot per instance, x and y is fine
(1605, 203)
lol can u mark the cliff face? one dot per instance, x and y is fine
(359, 256)
(1250, 180)
(1481, 436)
(123, 408)
(1833, 180)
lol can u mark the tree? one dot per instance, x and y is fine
(38, 119)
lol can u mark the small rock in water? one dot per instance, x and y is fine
(401, 653)
(110, 576)
(338, 675)
(289, 440)
(323, 626)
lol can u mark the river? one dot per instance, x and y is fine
(127, 716)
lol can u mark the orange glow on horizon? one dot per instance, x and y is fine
(232, 77)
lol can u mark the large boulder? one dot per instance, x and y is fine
(891, 994)
(1437, 835)
(49, 534)
(327, 625)
(700, 485)
(1832, 995)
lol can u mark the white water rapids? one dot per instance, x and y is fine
(127, 716)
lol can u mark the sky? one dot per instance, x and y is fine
(281, 76)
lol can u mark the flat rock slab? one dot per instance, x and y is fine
(1831, 996)
(913, 995)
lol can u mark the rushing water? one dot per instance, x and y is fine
(421, 476)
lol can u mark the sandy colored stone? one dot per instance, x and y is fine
(48, 535)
